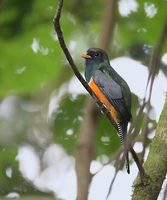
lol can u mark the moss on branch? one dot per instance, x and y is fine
(155, 165)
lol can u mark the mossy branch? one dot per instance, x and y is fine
(155, 165)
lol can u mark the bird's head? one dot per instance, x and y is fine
(95, 58)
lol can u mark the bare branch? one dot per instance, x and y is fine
(155, 58)
(56, 22)
(111, 184)
(138, 163)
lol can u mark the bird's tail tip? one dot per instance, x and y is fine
(128, 170)
(127, 164)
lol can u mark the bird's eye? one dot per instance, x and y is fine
(96, 54)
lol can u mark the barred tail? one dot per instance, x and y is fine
(122, 130)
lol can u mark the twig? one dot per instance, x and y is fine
(155, 58)
(153, 69)
(56, 22)
(136, 119)
(138, 163)
(111, 184)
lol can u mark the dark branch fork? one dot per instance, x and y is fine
(57, 26)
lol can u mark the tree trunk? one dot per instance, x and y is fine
(85, 150)
(155, 165)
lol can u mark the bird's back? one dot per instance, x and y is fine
(125, 91)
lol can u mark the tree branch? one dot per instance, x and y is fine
(56, 22)
(138, 163)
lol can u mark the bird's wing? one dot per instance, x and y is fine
(113, 93)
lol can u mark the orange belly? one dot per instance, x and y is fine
(104, 100)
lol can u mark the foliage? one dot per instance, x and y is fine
(11, 178)
(32, 66)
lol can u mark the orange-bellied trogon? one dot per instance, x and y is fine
(111, 89)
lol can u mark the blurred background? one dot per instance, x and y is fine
(42, 103)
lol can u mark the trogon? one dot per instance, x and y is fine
(111, 89)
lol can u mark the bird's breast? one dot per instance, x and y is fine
(102, 98)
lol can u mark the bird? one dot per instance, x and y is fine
(111, 90)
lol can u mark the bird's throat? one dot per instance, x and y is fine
(90, 70)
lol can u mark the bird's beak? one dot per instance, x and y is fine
(85, 55)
